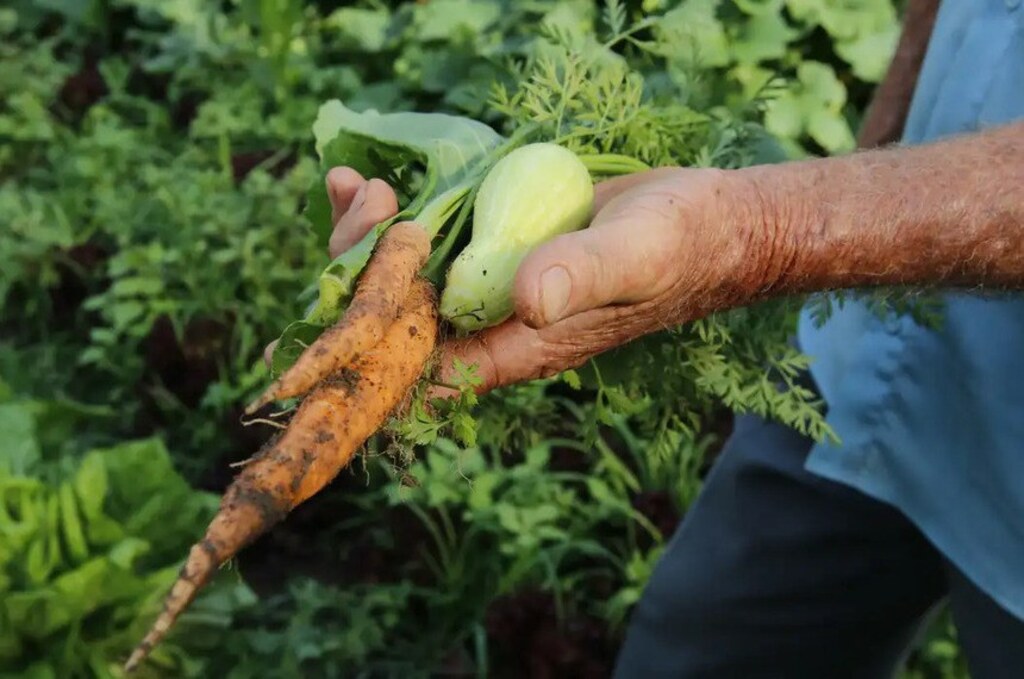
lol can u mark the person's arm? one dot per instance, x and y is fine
(949, 214)
(886, 115)
(672, 245)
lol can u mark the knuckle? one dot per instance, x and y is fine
(488, 368)
(473, 352)
(336, 243)
(564, 352)
(572, 342)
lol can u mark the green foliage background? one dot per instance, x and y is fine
(154, 159)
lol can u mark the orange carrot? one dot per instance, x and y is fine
(382, 288)
(334, 420)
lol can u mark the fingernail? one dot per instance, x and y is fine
(555, 287)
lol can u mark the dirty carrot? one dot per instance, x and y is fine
(330, 425)
(382, 288)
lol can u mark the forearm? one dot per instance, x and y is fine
(883, 122)
(947, 214)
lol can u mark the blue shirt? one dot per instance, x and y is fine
(933, 421)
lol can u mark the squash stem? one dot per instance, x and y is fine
(612, 164)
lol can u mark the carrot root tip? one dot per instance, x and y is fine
(258, 403)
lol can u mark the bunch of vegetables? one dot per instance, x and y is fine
(360, 368)
(364, 349)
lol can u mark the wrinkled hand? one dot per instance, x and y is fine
(663, 247)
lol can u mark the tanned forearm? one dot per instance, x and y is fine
(948, 214)
(884, 120)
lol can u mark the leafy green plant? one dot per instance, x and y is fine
(312, 628)
(153, 160)
(757, 42)
(938, 656)
(83, 545)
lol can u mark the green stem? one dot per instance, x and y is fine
(612, 164)
(436, 265)
(224, 155)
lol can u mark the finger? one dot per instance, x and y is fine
(500, 355)
(513, 352)
(372, 204)
(342, 185)
(617, 262)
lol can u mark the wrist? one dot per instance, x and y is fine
(777, 219)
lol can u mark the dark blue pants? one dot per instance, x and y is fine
(777, 573)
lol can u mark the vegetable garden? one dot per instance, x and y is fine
(165, 217)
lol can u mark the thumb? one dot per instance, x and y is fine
(614, 262)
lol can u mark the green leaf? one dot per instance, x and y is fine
(537, 457)
(132, 286)
(829, 130)
(870, 54)
(21, 452)
(34, 432)
(757, 7)
(448, 145)
(602, 493)
(71, 523)
(481, 494)
(695, 31)
(814, 106)
(363, 29)
(864, 32)
(91, 488)
(762, 37)
(571, 378)
(143, 483)
(441, 19)
(786, 117)
(464, 428)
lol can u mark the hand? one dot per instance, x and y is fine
(663, 247)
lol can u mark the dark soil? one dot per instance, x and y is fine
(528, 640)
(661, 510)
(330, 539)
(186, 367)
(244, 163)
(74, 274)
(83, 89)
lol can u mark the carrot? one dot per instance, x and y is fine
(334, 420)
(382, 288)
